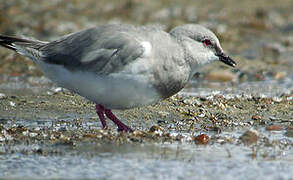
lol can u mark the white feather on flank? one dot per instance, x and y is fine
(147, 48)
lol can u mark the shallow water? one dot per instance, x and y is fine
(162, 161)
(134, 165)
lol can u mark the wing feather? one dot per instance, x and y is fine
(103, 49)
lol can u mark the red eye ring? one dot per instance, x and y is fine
(207, 42)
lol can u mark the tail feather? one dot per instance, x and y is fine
(8, 46)
(22, 46)
(7, 42)
(11, 42)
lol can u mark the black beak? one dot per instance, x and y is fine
(226, 59)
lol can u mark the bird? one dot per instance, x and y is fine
(123, 66)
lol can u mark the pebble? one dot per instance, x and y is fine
(274, 128)
(249, 137)
(221, 76)
(287, 40)
(2, 96)
(286, 57)
(2, 138)
(201, 115)
(221, 106)
(12, 104)
(280, 75)
(191, 101)
(277, 99)
(256, 117)
(276, 19)
(33, 134)
(55, 91)
(58, 89)
(289, 132)
(216, 129)
(273, 51)
(251, 53)
(156, 129)
(250, 123)
(25, 133)
(163, 114)
(274, 48)
(201, 139)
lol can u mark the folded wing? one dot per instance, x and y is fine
(102, 49)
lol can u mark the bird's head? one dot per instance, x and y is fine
(201, 45)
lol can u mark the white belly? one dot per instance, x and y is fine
(116, 91)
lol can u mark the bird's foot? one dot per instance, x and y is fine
(121, 126)
(124, 128)
(101, 110)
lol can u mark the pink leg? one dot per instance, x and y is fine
(121, 126)
(100, 111)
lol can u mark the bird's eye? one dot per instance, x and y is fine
(207, 42)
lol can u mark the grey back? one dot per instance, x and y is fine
(102, 49)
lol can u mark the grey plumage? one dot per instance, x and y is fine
(110, 49)
(123, 66)
(102, 49)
